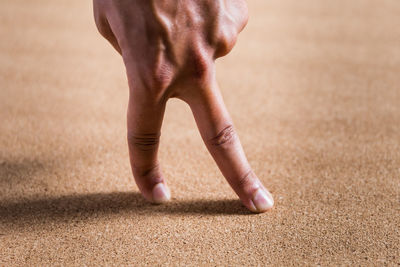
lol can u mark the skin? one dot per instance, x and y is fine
(169, 48)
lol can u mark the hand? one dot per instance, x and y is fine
(169, 48)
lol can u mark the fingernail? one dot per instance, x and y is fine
(262, 201)
(161, 193)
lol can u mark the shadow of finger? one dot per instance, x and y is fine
(25, 213)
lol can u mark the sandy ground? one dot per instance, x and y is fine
(314, 90)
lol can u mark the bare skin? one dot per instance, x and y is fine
(169, 48)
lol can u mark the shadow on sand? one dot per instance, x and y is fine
(20, 214)
(85, 206)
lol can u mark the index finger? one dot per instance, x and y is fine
(219, 135)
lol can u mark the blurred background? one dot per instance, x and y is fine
(313, 88)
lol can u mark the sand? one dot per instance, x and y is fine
(313, 88)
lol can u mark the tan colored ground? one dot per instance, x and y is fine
(314, 89)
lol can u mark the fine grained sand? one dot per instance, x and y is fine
(314, 90)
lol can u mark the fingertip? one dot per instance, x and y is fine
(161, 193)
(261, 201)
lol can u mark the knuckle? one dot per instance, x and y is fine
(199, 65)
(226, 41)
(100, 19)
(160, 75)
(245, 15)
(160, 70)
(144, 142)
(101, 27)
(226, 136)
(246, 180)
(150, 174)
(156, 73)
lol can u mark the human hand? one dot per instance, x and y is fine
(169, 48)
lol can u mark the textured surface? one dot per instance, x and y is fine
(315, 100)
